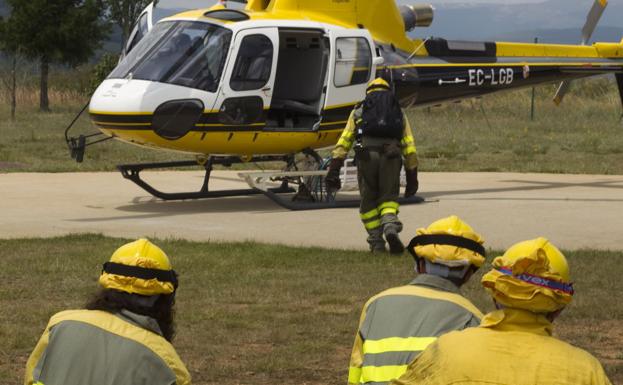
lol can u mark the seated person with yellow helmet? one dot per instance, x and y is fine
(530, 285)
(124, 335)
(397, 324)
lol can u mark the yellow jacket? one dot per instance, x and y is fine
(398, 323)
(96, 347)
(511, 347)
(346, 141)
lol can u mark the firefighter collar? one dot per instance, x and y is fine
(139, 320)
(435, 282)
(517, 320)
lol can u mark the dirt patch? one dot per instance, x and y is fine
(6, 166)
(603, 339)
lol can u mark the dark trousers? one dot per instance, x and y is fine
(379, 187)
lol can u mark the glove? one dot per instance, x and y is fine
(332, 179)
(412, 183)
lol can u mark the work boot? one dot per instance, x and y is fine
(378, 248)
(376, 241)
(391, 228)
(391, 231)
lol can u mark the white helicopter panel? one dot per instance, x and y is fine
(352, 66)
(247, 87)
(141, 96)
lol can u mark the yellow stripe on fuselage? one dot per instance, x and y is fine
(505, 64)
(255, 142)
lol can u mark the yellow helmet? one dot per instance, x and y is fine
(139, 267)
(378, 84)
(449, 241)
(531, 275)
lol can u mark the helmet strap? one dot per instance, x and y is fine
(445, 239)
(141, 272)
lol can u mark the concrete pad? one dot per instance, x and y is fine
(574, 211)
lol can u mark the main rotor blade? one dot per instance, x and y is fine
(593, 19)
(562, 91)
(594, 15)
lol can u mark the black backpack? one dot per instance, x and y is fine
(381, 116)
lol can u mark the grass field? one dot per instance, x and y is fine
(259, 314)
(584, 135)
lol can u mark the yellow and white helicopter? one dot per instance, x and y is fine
(280, 77)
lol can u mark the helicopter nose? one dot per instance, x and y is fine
(172, 120)
(171, 111)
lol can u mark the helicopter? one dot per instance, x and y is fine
(276, 78)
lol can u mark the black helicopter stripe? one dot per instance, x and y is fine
(331, 114)
(332, 126)
(121, 118)
(337, 114)
(224, 128)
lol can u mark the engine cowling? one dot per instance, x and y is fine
(417, 15)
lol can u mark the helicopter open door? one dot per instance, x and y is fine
(351, 68)
(246, 91)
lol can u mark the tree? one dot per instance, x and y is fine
(11, 50)
(56, 31)
(124, 13)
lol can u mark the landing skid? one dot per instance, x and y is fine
(311, 195)
(133, 173)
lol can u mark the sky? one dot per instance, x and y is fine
(493, 19)
(184, 3)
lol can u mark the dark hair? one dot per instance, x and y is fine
(162, 311)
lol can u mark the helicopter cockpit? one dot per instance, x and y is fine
(185, 53)
(224, 71)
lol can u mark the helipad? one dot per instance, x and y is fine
(574, 211)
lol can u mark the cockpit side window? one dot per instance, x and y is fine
(353, 61)
(253, 64)
(190, 54)
(141, 30)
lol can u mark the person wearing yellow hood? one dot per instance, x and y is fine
(397, 324)
(381, 135)
(530, 285)
(124, 335)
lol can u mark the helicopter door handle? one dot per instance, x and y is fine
(266, 89)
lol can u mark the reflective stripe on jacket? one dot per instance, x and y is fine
(348, 137)
(96, 347)
(511, 346)
(399, 323)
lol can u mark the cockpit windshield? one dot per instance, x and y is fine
(186, 53)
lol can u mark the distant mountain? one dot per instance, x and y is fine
(4, 8)
(562, 36)
(469, 21)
